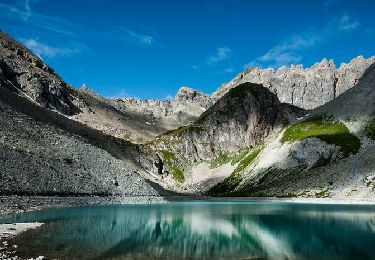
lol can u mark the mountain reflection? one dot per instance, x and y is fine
(201, 230)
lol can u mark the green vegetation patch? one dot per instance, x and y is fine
(330, 132)
(231, 182)
(183, 129)
(369, 129)
(247, 160)
(223, 158)
(240, 155)
(171, 164)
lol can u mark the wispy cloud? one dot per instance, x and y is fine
(222, 53)
(138, 38)
(347, 24)
(43, 50)
(27, 10)
(291, 50)
(50, 27)
(121, 93)
(20, 9)
(39, 22)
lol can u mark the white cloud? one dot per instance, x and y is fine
(137, 38)
(347, 24)
(291, 49)
(27, 13)
(221, 54)
(121, 93)
(20, 9)
(39, 22)
(169, 97)
(44, 50)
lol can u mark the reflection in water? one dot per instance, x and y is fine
(202, 230)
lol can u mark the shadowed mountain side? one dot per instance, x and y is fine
(357, 103)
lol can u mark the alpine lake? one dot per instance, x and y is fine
(200, 230)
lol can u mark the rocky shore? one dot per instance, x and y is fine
(18, 204)
(7, 231)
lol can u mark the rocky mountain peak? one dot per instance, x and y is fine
(306, 88)
(187, 94)
(324, 64)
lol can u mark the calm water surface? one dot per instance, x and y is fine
(201, 230)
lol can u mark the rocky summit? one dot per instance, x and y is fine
(306, 88)
(290, 132)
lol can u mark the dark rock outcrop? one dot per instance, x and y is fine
(23, 72)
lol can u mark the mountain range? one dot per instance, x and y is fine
(290, 132)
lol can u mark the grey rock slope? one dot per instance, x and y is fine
(45, 154)
(306, 88)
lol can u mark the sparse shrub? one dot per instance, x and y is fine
(171, 164)
(369, 129)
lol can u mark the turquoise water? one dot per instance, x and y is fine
(201, 230)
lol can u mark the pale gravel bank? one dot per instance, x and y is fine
(328, 201)
(7, 231)
(18, 204)
(11, 230)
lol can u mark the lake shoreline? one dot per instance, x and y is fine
(21, 204)
(9, 231)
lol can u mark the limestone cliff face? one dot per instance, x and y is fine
(186, 94)
(187, 106)
(305, 88)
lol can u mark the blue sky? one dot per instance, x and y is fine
(149, 48)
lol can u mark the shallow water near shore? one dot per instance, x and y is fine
(201, 230)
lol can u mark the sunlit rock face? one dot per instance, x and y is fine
(306, 88)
